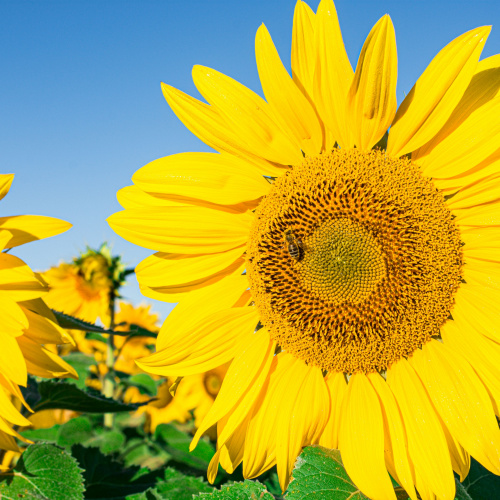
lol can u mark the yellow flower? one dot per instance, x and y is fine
(130, 349)
(355, 290)
(82, 288)
(28, 327)
(195, 393)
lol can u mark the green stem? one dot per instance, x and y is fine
(109, 379)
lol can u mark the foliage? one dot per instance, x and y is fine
(129, 461)
(38, 475)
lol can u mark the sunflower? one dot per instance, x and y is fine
(194, 396)
(340, 252)
(83, 287)
(28, 327)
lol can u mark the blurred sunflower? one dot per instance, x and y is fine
(350, 275)
(28, 326)
(194, 395)
(84, 287)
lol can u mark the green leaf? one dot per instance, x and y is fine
(63, 395)
(176, 486)
(81, 363)
(72, 323)
(50, 434)
(44, 472)
(108, 441)
(144, 382)
(480, 484)
(247, 490)
(177, 445)
(139, 331)
(77, 430)
(318, 474)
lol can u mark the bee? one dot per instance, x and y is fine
(294, 245)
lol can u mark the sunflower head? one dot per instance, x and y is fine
(340, 252)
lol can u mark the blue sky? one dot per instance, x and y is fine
(81, 107)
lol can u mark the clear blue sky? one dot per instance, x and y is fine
(81, 107)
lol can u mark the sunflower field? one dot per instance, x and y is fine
(331, 257)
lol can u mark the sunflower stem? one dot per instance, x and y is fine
(109, 380)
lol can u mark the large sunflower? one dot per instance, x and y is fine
(27, 325)
(351, 278)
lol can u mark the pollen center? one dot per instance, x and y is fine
(343, 262)
(353, 261)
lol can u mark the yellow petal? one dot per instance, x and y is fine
(483, 215)
(133, 197)
(480, 272)
(8, 443)
(481, 243)
(291, 108)
(5, 183)
(204, 347)
(26, 228)
(372, 96)
(14, 320)
(212, 128)
(12, 363)
(230, 454)
(17, 281)
(474, 140)
(471, 133)
(337, 388)
(195, 307)
(189, 230)
(221, 179)
(479, 192)
(303, 48)
(478, 307)
(334, 73)
(436, 93)
(482, 354)
(240, 387)
(301, 418)
(248, 115)
(177, 273)
(461, 400)
(10, 412)
(362, 439)
(460, 459)
(42, 362)
(427, 445)
(43, 331)
(395, 434)
(260, 442)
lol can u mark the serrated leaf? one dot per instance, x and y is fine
(177, 445)
(319, 474)
(72, 323)
(38, 475)
(247, 490)
(144, 382)
(480, 484)
(63, 395)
